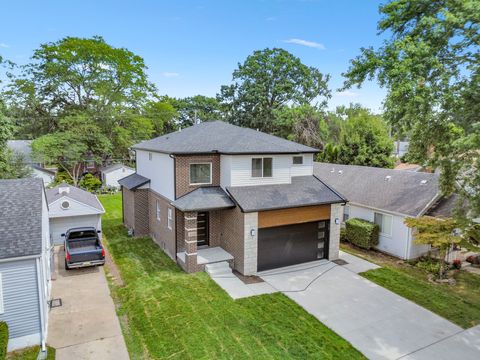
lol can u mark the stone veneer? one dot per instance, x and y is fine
(250, 243)
(336, 212)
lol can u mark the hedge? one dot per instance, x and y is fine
(362, 233)
(3, 340)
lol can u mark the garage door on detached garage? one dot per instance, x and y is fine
(70, 207)
(292, 236)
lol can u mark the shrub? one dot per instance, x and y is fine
(362, 233)
(343, 234)
(429, 265)
(3, 340)
(457, 264)
(90, 183)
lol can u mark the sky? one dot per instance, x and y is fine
(192, 47)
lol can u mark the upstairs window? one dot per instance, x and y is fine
(201, 174)
(157, 208)
(169, 218)
(384, 222)
(262, 167)
(297, 160)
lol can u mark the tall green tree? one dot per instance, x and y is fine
(430, 66)
(77, 75)
(196, 108)
(268, 80)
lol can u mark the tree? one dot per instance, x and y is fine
(430, 66)
(5, 135)
(196, 108)
(162, 114)
(365, 140)
(77, 75)
(90, 183)
(438, 233)
(78, 140)
(330, 154)
(268, 80)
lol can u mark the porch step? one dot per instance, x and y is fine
(218, 268)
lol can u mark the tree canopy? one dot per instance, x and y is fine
(430, 66)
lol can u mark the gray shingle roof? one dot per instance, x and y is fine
(398, 191)
(204, 198)
(131, 182)
(76, 194)
(218, 136)
(113, 167)
(20, 217)
(303, 191)
(445, 207)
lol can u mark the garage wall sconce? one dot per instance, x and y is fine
(337, 221)
(252, 232)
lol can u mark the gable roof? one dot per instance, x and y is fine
(74, 193)
(20, 217)
(204, 198)
(221, 137)
(114, 167)
(133, 181)
(303, 191)
(399, 191)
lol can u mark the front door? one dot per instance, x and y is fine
(202, 229)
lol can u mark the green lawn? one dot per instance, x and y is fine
(458, 303)
(166, 313)
(30, 353)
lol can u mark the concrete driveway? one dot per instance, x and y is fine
(379, 323)
(86, 325)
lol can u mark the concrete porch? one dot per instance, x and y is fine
(207, 255)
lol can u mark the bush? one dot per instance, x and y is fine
(3, 340)
(343, 234)
(429, 265)
(90, 183)
(362, 233)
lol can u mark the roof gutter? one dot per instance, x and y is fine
(19, 258)
(429, 205)
(227, 152)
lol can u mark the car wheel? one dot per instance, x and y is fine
(66, 265)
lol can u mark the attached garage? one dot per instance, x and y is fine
(70, 207)
(289, 236)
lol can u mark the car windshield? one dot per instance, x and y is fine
(82, 234)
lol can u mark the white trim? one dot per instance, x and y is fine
(391, 223)
(2, 308)
(97, 211)
(169, 218)
(190, 173)
(23, 342)
(261, 177)
(378, 210)
(41, 304)
(297, 156)
(158, 210)
(19, 258)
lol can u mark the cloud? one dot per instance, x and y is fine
(346, 93)
(170, 74)
(3, 45)
(307, 43)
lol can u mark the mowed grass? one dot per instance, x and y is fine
(459, 303)
(166, 313)
(30, 353)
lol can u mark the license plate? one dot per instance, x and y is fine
(87, 263)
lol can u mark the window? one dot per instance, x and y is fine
(150, 156)
(157, 207)
(169, 218)
(262, 167)
(384, 221)
(2, 310)
(346, 213)
(200, 173)
(297, 160)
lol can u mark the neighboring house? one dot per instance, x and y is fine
(215, 191)
(71, 207)
(23, 147)
(386, 197)
(25, 255)
(401, 148)
(112, 173)
(409, 167)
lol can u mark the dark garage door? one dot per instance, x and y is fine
(292, 244)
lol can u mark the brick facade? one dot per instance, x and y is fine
(159, 230)
(182, 172)
(128, 198)
(135, 211)
(232, 230)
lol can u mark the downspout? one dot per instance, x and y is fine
(42, 305)
(409, 240)
(175, 197)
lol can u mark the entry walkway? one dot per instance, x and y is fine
(379, 323)
(86, 325)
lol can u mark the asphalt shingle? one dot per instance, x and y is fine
(131, 182)
(221, 137)
(303, 191)
(74, 193)
(20, 217)
(204, 198)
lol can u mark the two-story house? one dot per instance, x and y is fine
(214, 192)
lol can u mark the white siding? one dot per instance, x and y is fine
(399, 244)
(160, 171)
(76, 208)
(225, 170)
(111, 178)
(60, 225)
(306, 169)
(241, 171)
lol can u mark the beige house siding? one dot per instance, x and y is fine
(159, 230)
(182, 172)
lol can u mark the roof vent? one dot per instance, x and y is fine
(423, 182)
(63, 190)
(388, 178)
(65, 205)
(340, 172)
(333, 170)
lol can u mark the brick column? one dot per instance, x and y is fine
(190, 236)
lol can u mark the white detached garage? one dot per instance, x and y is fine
(71, 207)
